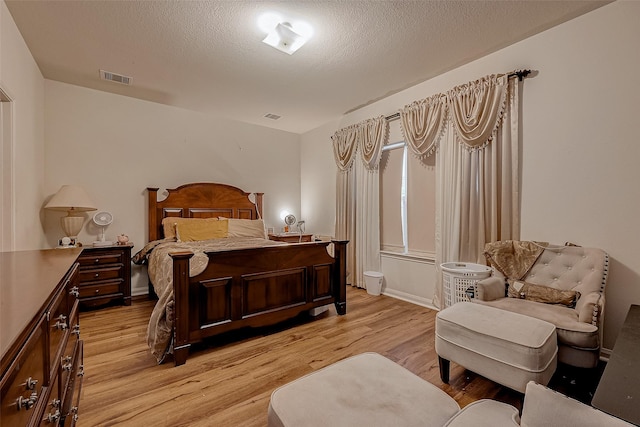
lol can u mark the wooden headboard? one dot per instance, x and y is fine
(200, 200)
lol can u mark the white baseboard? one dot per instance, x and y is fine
(424, 302)
(605, 354)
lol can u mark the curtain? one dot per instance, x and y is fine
(358, 194)
(422, 124)
(477, 199)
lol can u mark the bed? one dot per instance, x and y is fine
(206, 288)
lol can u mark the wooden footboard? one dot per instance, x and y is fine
(254, 287)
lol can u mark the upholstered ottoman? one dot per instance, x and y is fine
(364, 390)
(508, 348)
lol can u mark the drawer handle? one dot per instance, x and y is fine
(97, 291)
(97, 275)
(66, 359)
(60, 325)
(81, 371)
(27, 404)
(74, 292)
(30, 384)
(52, 418)
(55, 403)
(97, 261)
(76, 330)
(67, 367)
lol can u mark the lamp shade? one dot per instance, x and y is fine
(70, 198)
(73, 200)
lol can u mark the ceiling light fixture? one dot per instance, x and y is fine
(285, 36)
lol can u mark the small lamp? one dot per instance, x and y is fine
(74, 200)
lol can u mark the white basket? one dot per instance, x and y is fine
(457, 277)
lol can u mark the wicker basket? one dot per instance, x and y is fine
(457, 277)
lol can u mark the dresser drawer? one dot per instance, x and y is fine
(101, 258)
(22, 386)
(67, 356)
(100, 289)
(96, 274)
(71, 399)
(53, 408)
(58, 326)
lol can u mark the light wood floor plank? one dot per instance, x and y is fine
(229, 381)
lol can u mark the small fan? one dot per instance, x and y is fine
(290, 220)
(102, 219)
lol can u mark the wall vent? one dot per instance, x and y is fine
(272, 116)
(113, 77)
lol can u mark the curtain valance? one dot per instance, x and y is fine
(477, 108)
(422, 123)
(345, 144)
(368, 136)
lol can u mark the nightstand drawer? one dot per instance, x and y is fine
(95, 274)
(97, 290)
(102, 258)
(104, 275)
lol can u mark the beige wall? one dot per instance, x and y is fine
(580, 145)
(21, 80)
(116, 147)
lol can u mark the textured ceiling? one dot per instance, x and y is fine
(207, 56)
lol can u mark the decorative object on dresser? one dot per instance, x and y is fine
(233, 277)
(73, 200)
(42, 358)
(105, 275)
(102, 220)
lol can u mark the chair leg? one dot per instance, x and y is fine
(444, 369)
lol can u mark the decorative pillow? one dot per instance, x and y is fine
(204, 229)
(539, 293)
(169, 224)
(246, 228)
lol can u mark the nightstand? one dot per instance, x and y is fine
(290, 237)
(105, 275)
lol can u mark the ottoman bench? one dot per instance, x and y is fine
(370, 390)
(508, 348)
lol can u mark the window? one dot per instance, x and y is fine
(407, 199)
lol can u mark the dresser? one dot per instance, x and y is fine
(40, 343)
(105, 275)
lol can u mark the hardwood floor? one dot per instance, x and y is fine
(229, 382)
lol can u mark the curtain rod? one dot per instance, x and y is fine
(520, 74)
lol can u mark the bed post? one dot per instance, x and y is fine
(152, 199)
(181, 343)
(340, 275)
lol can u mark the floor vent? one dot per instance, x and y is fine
(113, 77)
(272, 116)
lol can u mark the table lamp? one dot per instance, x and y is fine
(74, 200)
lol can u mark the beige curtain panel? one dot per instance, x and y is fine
(423, 124)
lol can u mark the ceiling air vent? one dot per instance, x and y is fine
(113, 77)
(272, 116)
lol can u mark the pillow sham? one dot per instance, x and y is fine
(539, 293)
(246, 228)
(204, 229)
(169, 224)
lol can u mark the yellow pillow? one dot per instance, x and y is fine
(169, 224)
(206, 229)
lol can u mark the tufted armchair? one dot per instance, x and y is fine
(562, 272)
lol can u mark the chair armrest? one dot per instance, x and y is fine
(485, 413)
(591, 308)
(544, 407)
(490, 289)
